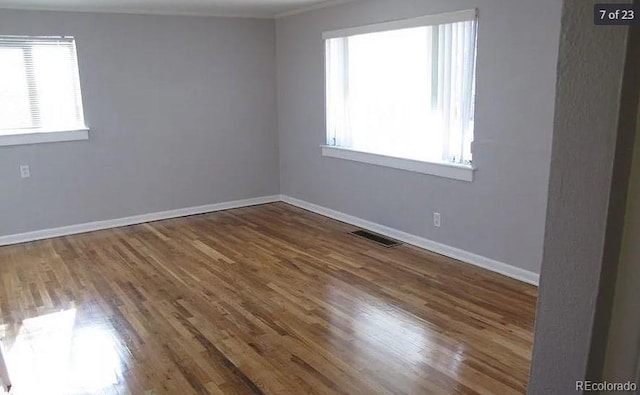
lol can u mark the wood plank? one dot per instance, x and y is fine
(269, 299)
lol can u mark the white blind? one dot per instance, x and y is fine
(39, 85)
(407, 92)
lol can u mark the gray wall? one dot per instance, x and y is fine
(589, 122)
(182, 113)
(501, 215)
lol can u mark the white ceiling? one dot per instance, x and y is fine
(242, 8)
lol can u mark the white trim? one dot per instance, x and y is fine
(446, 170)
(134, 220)
(312, 7)
(427, 20)
(443, 249)
(134, 11)
(219, 14)
(452, 252)
(42, 136)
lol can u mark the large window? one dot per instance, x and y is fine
(39, 86)
(404, 89)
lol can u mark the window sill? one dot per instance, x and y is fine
(446, 170)
(43, 136)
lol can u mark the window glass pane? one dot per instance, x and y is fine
(55, 80)
(389, 77)
(15, 111)
(407, 93)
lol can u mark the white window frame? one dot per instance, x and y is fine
(461, 172)
(13, 137)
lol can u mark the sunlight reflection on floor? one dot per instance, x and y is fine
(51, 355)
(385, 329)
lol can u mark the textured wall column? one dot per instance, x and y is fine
(588, 106)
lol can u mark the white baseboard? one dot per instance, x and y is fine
(134, 220)
(452, 252)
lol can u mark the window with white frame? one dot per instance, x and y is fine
(404, 89)
(39, 85)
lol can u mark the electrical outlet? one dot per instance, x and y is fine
(25, 172)
(436, 220)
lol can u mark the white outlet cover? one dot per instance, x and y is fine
(25, 172)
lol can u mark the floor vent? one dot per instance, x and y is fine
(378, 239)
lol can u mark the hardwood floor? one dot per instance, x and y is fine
(267, 299)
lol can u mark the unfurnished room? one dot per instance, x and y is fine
(319, 197)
